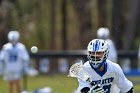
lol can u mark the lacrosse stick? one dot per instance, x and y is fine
(77, 70)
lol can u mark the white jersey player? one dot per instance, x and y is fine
(103, 33)
(103, 72)
(14, 57)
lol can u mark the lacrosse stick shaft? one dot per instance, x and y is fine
(90, 81)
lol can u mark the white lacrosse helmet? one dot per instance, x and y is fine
(103, 33)
(97, 52)
(13, 36)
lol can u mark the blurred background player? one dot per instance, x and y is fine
(15, 59)
(103, 33)
(139, 58)
(102, 71)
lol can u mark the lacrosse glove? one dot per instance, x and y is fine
(96, 89)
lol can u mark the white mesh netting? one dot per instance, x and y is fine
(77, 70)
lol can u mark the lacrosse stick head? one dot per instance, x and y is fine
(77, 70)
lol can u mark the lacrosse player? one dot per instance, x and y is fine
(103, 33)
(139, 58)
(14, 57)
(106, 76)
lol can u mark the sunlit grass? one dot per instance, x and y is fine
(59, 83)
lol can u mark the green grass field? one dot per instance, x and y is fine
(59, 83)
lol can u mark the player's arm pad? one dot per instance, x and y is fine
(130, 91)
(85, 90)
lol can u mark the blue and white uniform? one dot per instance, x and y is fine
(14, 58)
(112, 79)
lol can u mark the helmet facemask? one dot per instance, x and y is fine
(96, 57)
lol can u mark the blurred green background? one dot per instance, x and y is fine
(69, 25)
(55, 24)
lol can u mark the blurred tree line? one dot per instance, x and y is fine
(70, 24)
